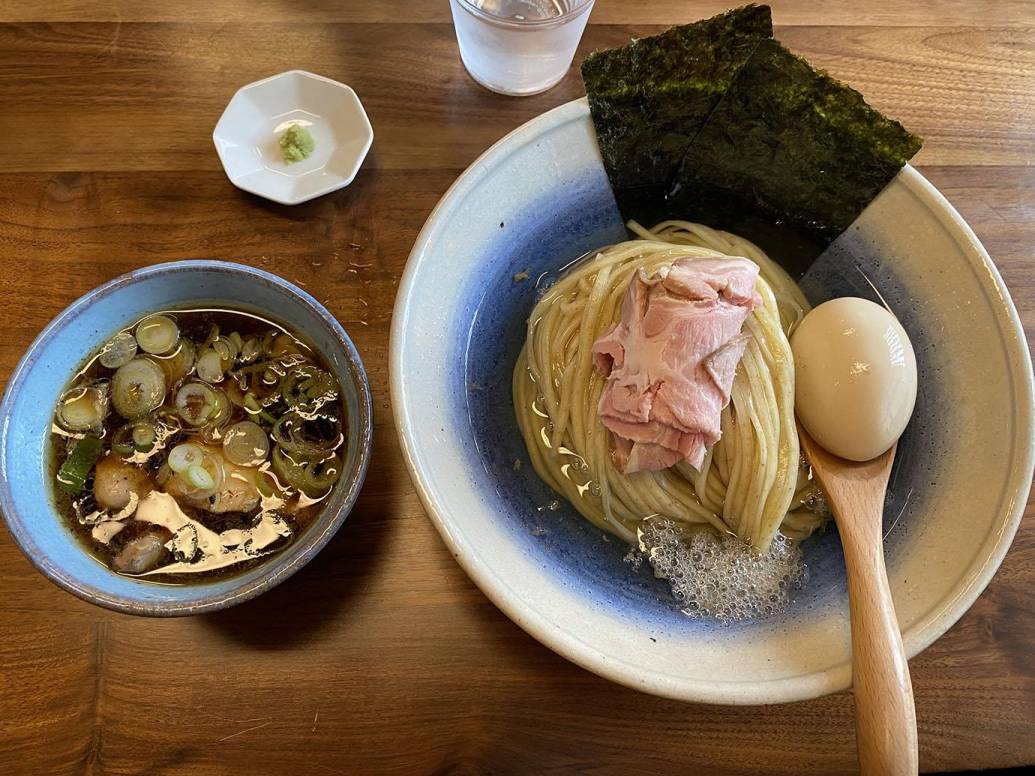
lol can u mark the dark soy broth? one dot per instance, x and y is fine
(195, 443)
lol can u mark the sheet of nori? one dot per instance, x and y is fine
(792, 148)
(650, 98)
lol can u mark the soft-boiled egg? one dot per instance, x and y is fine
(855, 377)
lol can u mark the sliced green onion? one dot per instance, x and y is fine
(320, 476)
(196, 402)
(84, 408)
(227, 348)
(118, 351)
(214, 428)
(157, 334)
(314, 478)
(250, 350)
(210, 366)
(212, 477)
(213, 335)
(71, 477)
(234, 392)
(246, 444)
(139, 437)
(308, 388)
(290, 471)
(144, 437)
(316, 381)
(124, 449)
(283, 344)
(290, 389)
(265, 483)
(222, 347)
(289, 433)
(254, 408)
(184, 456)
(138, 388)
(122, 440)
(200, 478)
(282, 429)
(222, 407)
(251, 404)
(179, 363)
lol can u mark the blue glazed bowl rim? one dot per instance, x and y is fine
(279, 566)
(526, 614)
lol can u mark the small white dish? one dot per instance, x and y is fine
(248, 132)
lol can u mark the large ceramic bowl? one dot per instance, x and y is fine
(33, 390)
(538, 199)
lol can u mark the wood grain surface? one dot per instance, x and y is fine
(381, 656)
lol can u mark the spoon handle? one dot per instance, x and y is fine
(885, 716)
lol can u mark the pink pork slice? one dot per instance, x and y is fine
(670, 361)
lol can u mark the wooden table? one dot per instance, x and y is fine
(381, 656)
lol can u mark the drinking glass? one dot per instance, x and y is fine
(518, 47)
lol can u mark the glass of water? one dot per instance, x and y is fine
(518, 46)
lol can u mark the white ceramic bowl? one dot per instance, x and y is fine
(540, 198)
(246, 136)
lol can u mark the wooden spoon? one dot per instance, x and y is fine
(885, 717)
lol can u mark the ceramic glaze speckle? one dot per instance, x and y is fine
(459, 323)
(33, 390)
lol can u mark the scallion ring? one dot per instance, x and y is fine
(184, 456)
(157, 334)
(119, 350)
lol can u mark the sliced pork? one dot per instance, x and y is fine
(671, 359)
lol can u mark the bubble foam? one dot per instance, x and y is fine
(722, 577)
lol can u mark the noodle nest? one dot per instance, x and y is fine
(752, 483)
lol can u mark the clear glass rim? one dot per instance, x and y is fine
(578, 7)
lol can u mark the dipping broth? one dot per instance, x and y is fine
(194, 443)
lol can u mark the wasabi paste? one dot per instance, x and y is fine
(296, 144)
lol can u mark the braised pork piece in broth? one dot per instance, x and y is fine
(196, 442)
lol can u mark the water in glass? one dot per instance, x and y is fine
(519, 46)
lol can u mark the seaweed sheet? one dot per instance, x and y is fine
(789, 156)
(650, 99)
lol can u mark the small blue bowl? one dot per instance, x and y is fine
(32, 393)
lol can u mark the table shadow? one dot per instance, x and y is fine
(341, 201)
(299, 608)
